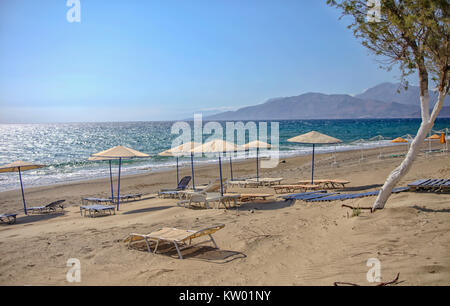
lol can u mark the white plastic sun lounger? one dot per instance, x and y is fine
(97, 210)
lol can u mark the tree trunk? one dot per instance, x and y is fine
(400, 171)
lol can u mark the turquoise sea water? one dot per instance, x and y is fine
(65, 147)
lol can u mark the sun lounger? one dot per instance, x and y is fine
(327, 184)
(242, 184)
(291, 188)
(182, 185)
(8, 218)
(128, 197)
(210, 198)
(180, 238)
(307, 195)
(266, 181)
(347, 196)
(96, 200)
(430, 185)
(97, 210)
(52, 207)
(210, 188)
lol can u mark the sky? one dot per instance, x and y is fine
(143, 60)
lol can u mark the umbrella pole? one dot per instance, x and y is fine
(178, 177)
(118, 185)
(192, 167)
(23, 196)
(312, 172)
(220, 170)
(110, 177)
(231, 169)
(257, 165)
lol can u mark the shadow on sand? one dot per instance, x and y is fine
(144, 210)
(424, 209)
(203, 253)
(265, 205)
(36, 218)
(360, 188)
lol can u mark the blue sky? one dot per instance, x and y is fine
(164, 59)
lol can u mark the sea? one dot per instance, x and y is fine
(65, 147)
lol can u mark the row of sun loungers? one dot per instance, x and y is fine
(179, 238)
(327, 184)
(255, 182)
(323, 196)
(430, 185)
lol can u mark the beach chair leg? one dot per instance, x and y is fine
(213, 241)
(178, 250)
(156, 246)
(148, 245)
(11, 219)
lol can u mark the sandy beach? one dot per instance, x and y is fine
(263, 243)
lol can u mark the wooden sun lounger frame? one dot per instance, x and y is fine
(179, 244)
(264, 181)
(8, 218)
(292, 188)
(430, 185)
(242, 184)
(327, 184)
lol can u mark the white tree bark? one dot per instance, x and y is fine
(400, 171)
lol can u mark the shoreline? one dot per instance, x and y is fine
(199, 164)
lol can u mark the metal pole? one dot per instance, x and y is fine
(110, 177)
(257, 164)
(220, 170)
(23, 196)
(178, 176)
(231, 169)
(118, 186)
(192, 167)
(312, 172)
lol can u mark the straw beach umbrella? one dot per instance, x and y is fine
(216, 146)
(19, 166)
(256, 145)
(183, 149)
(119, 152)
(400, 140)
(314, 138)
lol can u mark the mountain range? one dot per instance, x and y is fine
(386, 100)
